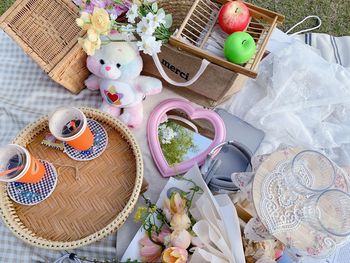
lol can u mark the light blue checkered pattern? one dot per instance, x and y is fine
(27, 93)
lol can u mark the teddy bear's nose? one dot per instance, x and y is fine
(108, 68)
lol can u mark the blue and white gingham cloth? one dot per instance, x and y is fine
(27, 93)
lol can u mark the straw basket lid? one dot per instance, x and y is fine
(85, 209)
(178, 9)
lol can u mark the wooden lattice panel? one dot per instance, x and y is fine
(197, 28)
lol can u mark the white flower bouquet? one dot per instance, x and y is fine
(140, 21)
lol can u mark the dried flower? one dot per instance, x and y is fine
(180, 238)
(174, 255)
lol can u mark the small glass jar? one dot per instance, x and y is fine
(310, 172)
(329, 212)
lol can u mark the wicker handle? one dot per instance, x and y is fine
(204, 65)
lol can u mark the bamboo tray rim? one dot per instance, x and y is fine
(8, 214)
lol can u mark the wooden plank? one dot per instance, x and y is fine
(261, 51)
(187, 18)
(212, 58)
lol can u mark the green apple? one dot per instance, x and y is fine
(239, 47)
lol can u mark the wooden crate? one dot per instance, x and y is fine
(47, 32)
(198, 25)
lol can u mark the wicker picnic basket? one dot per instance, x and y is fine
(85, 209)
(47, 32)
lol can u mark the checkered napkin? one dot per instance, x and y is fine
(27, 93)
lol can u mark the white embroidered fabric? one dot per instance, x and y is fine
(280, 206)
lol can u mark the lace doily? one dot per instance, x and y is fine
(280, 206)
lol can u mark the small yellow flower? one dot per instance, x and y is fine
(80, 22)
(86, 17)
(92, 35)
(139, 213)
(100, 21)
(88, 46)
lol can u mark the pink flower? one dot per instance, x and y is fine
(181, 238)
(177, 204)
(180, 221)
(150, 251)
(167, 209)
(174, 255)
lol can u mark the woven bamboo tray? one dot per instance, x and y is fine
(81, 211)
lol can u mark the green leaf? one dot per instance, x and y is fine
(155, 7)
(160, 11)
(168, 21)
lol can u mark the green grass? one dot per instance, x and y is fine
(4, 4)
(334, 13)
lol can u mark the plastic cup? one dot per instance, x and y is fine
(329, 212)
(311, 172)
(17, 164)
(69, 125)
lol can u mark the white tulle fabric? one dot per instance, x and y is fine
(299, 99)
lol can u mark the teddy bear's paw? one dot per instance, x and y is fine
(130, 120)
(125, 118)
(114, 111)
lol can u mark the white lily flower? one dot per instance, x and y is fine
(149, 45)
(133, 13)
(145, 27)
(156, 19)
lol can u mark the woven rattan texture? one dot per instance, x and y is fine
(47, 27)
(179, 10)
(84, 210)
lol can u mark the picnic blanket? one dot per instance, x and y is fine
(27, 93)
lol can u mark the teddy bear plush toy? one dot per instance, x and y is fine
(116, 69)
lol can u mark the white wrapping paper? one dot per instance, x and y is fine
(217, 224)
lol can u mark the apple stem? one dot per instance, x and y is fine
(244, 41)
(237, 9)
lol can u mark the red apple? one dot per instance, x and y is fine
(234, 16)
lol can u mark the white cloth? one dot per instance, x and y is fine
(299, 99)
